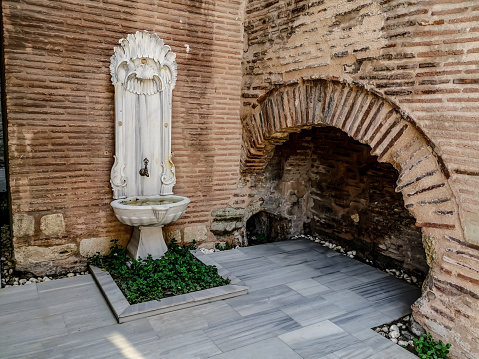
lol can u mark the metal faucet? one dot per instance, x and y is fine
(144, 171)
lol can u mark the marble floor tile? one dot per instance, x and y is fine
(264, 299)
(308, 287)
(318, 339)
(312, 310)
(269, 348)
(251, 329)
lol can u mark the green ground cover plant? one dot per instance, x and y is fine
(177, 272)
(428, 348)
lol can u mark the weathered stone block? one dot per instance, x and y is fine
(52, 224)
(176, 234)
(23, 225)
(227, 213)
(197, 233)
(89, 246)
(34, 254)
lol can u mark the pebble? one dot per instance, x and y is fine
(394, 328)
(394, 335)
(403, 343)
(69, 275)
(22, 281)
(394, 340)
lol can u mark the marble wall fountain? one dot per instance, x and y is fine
(144, 71)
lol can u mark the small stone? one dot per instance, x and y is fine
(32, 280)
(377, 330)
(10, 271)
(351, 256)
(394, 328)
(414, 279)
(394, 335)
(394, 340)
(385, 329)
(402, 343)
(317, 241)
(46, 279)
(8, 286)
(353, 253)
(411, 343)
(383, 334)
(3, 259)
(416, 327)
(22, 281)
(26, 283)
(406, 318)
(70, 275)
(15, 283)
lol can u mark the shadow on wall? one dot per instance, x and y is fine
(322, 182)
(265, 227)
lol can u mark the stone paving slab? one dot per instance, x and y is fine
(307, 302)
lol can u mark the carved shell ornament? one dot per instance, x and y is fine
(142, 62)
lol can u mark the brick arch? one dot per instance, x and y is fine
(423, 181)
(369, 119)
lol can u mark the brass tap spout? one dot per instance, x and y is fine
(144, 171)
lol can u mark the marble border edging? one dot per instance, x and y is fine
(125, 312)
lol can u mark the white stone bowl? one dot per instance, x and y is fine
(150, 215)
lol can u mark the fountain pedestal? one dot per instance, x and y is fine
(145, 241)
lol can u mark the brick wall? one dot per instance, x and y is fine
(416, 59)
(60, 113)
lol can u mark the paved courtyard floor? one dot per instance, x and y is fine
(304, 301)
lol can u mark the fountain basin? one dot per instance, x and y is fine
(150, 210)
